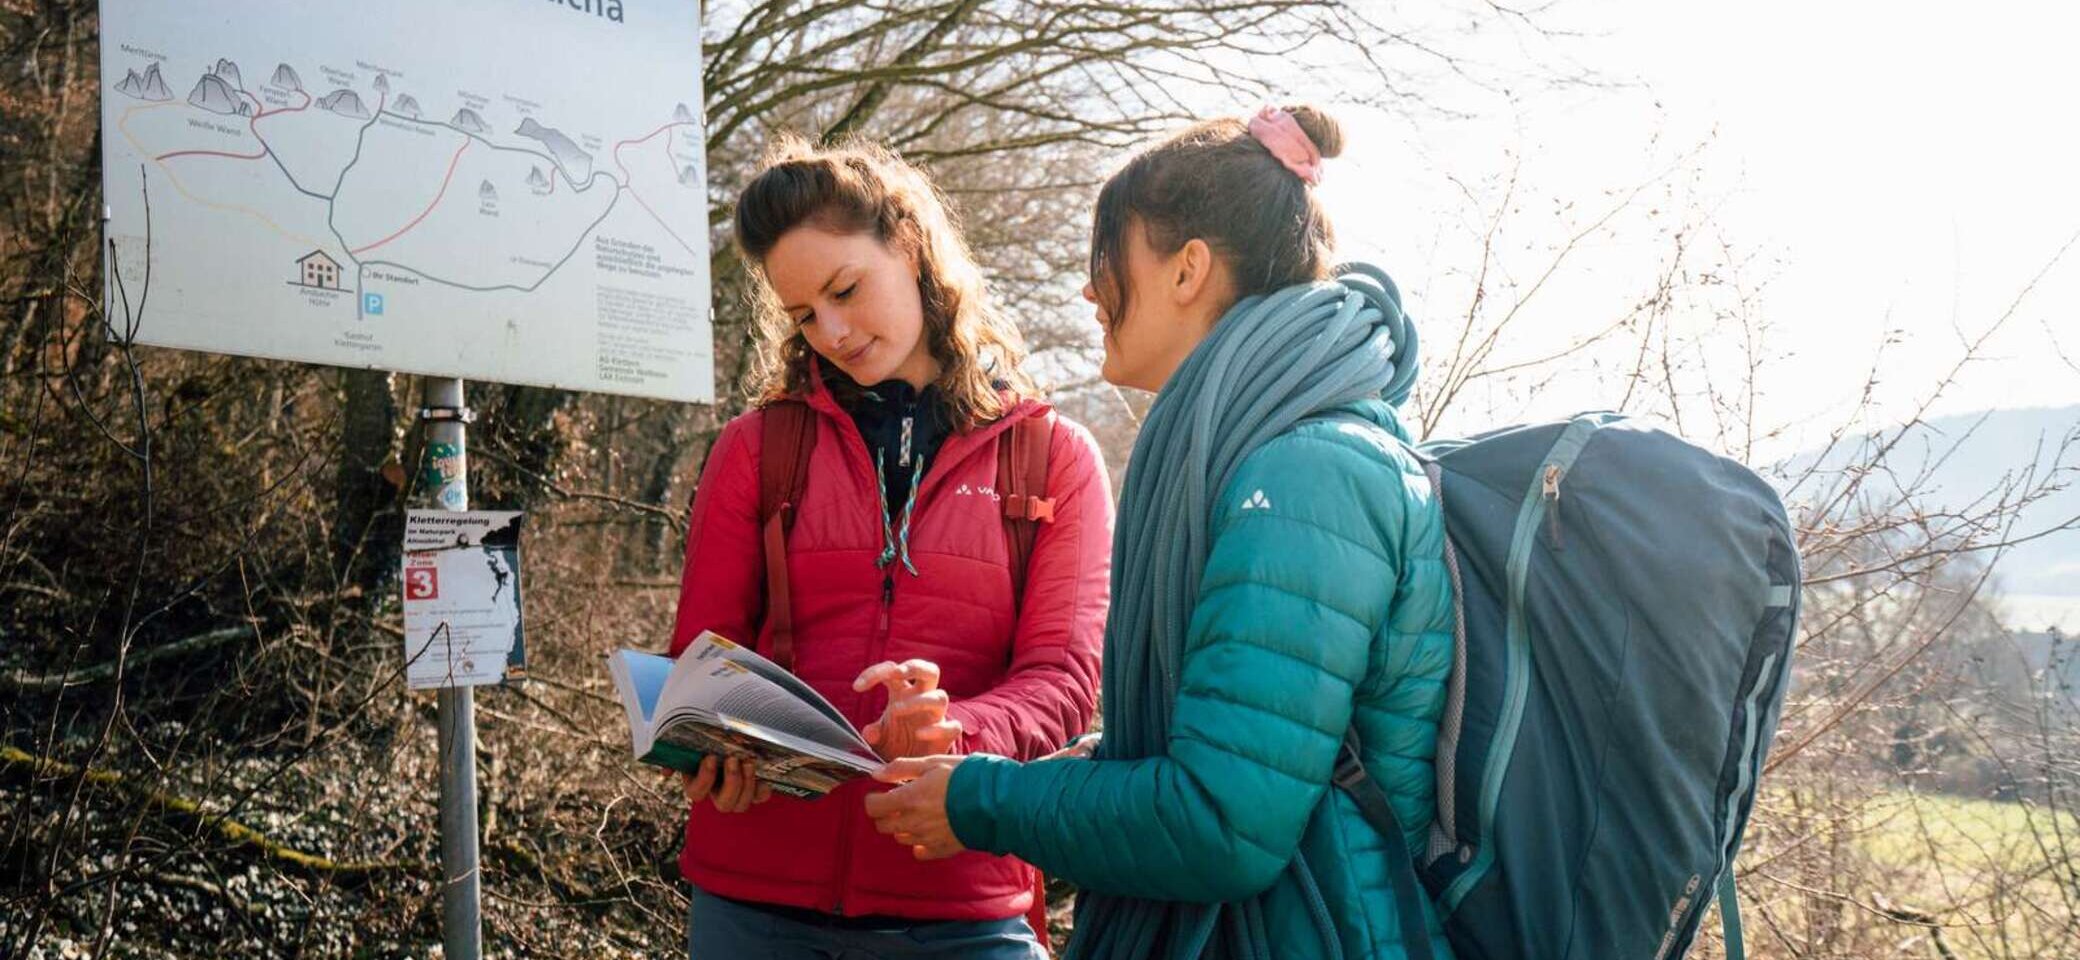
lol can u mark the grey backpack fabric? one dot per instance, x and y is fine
(1628, 609)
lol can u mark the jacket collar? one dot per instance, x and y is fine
(956, 448)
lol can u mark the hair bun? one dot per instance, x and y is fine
(1321, 128)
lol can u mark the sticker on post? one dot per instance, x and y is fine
(462, 623)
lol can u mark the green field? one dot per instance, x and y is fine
(2001, 876)
(1900, 874)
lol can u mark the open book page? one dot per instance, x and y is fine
(722, 699)
(791, 770)
(717, 677)
(773, 672)
(639, 678)
(863, 761)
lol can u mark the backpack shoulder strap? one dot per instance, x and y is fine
(1730, 917)
(1378, 811)
(1351, 777)
(789, 431)
(1022, 483)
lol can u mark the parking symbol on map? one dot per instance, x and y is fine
(372, 304)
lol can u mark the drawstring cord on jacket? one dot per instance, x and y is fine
(895, 542)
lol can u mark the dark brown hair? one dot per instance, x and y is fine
(1215, 182)
(857, 188)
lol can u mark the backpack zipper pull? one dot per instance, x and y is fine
(1550, 488)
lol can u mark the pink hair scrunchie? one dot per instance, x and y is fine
(1281, 134)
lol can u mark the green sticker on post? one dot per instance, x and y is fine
(442, 467)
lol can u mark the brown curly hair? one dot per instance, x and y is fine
(861, 187)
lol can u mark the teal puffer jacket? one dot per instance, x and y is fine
(1325, 602)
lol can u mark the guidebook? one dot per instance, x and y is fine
(721, 698)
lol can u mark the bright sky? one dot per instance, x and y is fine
(1879, 171)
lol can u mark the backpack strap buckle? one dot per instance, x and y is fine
(1349, 771)
(1025, 507)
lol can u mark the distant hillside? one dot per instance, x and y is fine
(2037, 652)
(1991, 449)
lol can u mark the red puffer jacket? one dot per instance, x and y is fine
(1021, 682)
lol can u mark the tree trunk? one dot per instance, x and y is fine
(367, 530)
(529, 436)
(674, 444)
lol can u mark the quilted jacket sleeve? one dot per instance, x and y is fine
(722, 587)
(1296, 585)
(1051, 689)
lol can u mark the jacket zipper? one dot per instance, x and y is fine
(881, 631)
(888, 599)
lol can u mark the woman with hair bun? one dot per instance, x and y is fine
(1279, 591)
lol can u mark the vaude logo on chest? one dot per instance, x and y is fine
(972, 490)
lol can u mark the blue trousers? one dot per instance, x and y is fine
(719, 929)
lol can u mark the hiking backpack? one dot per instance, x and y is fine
(1627, 606)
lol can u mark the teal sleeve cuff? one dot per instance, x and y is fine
(975, 800)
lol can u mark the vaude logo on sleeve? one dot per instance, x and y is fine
(1257, 501)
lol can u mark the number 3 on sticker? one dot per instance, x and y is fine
(422, 583)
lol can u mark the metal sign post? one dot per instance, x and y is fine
(446, 474)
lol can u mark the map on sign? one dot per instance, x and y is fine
(504, 190)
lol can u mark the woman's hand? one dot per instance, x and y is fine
(914, 724)
(740, 788)
(915, 813)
